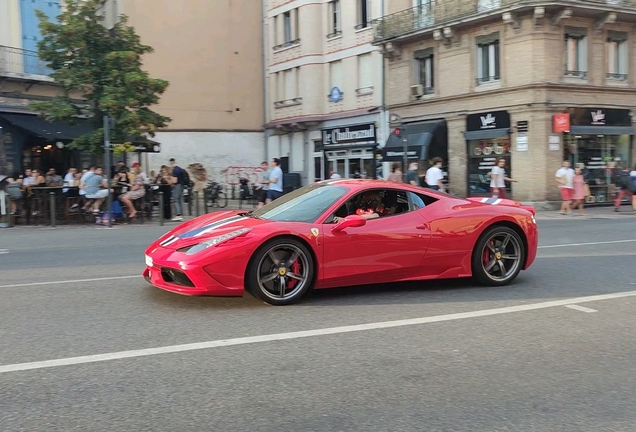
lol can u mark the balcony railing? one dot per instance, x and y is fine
(20, 62)
(439, 12)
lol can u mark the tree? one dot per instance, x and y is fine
(104, 67)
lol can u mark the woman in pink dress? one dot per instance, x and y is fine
(578, 198)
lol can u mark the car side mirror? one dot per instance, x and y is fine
(349, 222)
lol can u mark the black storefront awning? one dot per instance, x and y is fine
(57, 130)
(602, 130)
(419, 137)
(486, 134)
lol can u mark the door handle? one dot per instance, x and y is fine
(423, 226)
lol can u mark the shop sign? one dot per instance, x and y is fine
(561, 123)
(554, 142)
(489, 120)
(345, 135)
(599, 117)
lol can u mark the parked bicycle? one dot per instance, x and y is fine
(213, 196)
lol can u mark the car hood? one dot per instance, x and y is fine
(207, 227)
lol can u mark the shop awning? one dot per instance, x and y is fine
(419, 136)
(602, 130)
(486, 134)
(56, 130)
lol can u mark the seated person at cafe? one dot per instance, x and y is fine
(52, 179)
(137, 191)
(370, 207)
(93, 185)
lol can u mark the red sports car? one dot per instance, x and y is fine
(343, 232)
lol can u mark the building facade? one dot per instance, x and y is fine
(533, 82)
(210, 52)
(325, 91)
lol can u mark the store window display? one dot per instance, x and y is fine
(482, 157)
(599, 156)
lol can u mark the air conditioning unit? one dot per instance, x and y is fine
(417, 90)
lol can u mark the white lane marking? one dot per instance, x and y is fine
(581, 308)
(69, 281)
(302, 334)
(587, 244)
(4, 251)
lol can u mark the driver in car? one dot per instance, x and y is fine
(371, 207)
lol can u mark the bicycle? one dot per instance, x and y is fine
(213, 196)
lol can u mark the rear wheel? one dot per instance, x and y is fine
(498, 256)
(281, 272)
(221, 200)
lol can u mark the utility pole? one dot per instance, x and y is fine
(401, 132)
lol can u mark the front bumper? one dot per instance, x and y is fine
(165, 272)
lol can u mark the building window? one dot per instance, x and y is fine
(287, 27)
(364, 14)
(488, 68)
(365, 74)
(575, 52)
(617, 57)
(334, 19)
(488, 5)
(423, 73)
(291, 84)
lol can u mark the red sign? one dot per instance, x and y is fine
(561, 122)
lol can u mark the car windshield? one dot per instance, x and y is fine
(302, 205)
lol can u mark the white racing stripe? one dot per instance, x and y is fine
(303, 334)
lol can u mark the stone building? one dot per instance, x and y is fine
(535, 82)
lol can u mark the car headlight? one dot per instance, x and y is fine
(216, 241)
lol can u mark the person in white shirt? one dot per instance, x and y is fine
(434, 176)
(498, 179)
(565, 178)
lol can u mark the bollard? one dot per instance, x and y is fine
(161, 215)
(196, 203)
(190, 198)
(52, 207)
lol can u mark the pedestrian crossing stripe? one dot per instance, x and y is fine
(492, 201)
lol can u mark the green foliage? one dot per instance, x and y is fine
(105, 67)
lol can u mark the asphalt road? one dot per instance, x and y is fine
(86, 344)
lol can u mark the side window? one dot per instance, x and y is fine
(419, 201)
(385, 202)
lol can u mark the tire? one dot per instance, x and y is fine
(498, 247)
(207, 199)
(221, 200)
(268, 273)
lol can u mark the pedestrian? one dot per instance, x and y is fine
(177, 190)
(275, 181)
(625, 182)
(434, 176)
(498, 179)
(578, 196)
(262, 187)
(411, 174)
(565, 178)
(396, 174)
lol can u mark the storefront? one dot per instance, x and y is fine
(600, 141)
(347, 150)
(487, 139)
(424, 141)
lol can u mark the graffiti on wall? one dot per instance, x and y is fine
(234, 173)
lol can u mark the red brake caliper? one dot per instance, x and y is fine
(486, 257)
(295, 267)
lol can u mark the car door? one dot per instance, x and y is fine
(384, 249)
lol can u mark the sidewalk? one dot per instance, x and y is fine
(605, 212)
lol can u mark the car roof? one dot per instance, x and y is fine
(361, 183)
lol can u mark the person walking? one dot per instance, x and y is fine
(565, 178)
(396, 174)
(262, 187)
(177, 190)
(625, 182)
(498, 179)
(434, 176)
(578, 196)
(275, 181)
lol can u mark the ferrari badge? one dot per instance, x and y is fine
(315, 232)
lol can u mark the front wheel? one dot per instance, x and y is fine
(281, 272)
(221, 200)
(498, 256)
